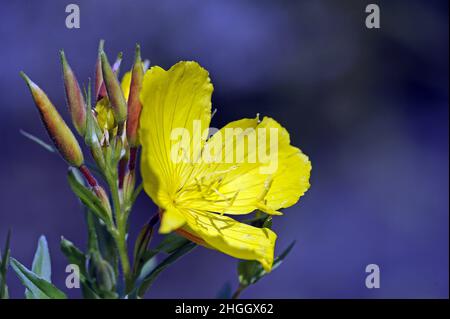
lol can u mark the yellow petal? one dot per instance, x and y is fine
(171, 219)
(255, 182)
(291, 179)
(105, 115)
(231, 237)
(125, 84)
(179, 99)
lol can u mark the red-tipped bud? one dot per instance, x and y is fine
(134, 104)
(57, 129)
(101, 194)
(99, 86)
(75, 100)
(115, 94)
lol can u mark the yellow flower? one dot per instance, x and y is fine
(104, 111)
(105, 115)
(196, 192)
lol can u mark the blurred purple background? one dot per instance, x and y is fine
(370, 108)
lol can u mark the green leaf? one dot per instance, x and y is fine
(148, 274)
(106, 244)
(251, 271)
(88, 198)
(143, 240)
(41, 264)
(73, 254)
(77, 257)
(141, 246)
(36, 284)
(38, 141)
(141, 254)
(171, 243)
(4, 262)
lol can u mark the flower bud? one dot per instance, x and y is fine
(100, 90)
(101, 194)
(134, 104)
(129, 181)
(57, 129)
(74, 96)
(115, 94)
(101, 272)
(93, 133)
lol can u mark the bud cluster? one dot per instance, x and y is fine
(110, 132)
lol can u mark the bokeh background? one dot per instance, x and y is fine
(370, 108)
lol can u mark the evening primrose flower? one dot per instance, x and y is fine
(105, 115)
(111, 106)
(103, 109)
(196, 195)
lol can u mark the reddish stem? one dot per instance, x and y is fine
(133, 158)
(122, 168)
(88, 175)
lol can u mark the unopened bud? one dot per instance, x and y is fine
(57, 129)
(101, 194)
(93, 133)
(74, 96)
(134, 104)
(101, 272)
(99, 86)
(115, 94)
(129, 181)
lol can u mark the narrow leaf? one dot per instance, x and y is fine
(88, 198)
(171, 243)
(4, 262)
(76, 257)
(142, 243)
(38, 141)
(106, 244)
(73, 254)
(145, 279)
(251, 271)
(37, 285)
(41, 264)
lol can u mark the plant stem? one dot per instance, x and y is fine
(123, 255)
(121, 231)
(238, 292)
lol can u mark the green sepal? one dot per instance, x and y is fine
(251, 271)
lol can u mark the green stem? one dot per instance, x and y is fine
(123, 255)
(121, 232)
(238, 292)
